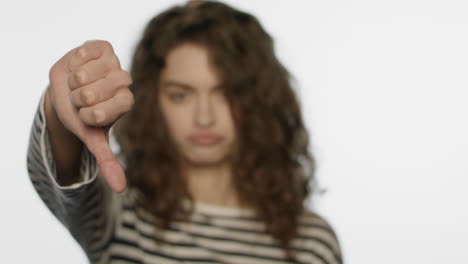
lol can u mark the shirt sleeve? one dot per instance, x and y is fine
(86, 208)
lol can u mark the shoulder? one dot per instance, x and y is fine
(312, 219)
(319, 236)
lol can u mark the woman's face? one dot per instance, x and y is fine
(195, 109)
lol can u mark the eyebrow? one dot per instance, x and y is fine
(182, 85)
(177, 84)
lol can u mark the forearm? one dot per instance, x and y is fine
(66, 147)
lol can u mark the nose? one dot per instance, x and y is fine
(204, 112)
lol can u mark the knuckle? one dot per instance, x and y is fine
(128, 78)
(87, 96)
(101, 68)
(90, 41)
(83, 113)
(80, 76)
(81, 52)
(113, 61)
(99, 116)
(105, 44)
(92, 116)
(123, 79)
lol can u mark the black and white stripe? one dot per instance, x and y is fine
(110, 229)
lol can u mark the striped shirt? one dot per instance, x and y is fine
(110, 228)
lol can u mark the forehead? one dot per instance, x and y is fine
(190, 64)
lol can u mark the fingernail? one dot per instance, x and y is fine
(99, 115)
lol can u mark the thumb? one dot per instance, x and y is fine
(111, 170)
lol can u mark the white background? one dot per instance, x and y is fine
(383, 86)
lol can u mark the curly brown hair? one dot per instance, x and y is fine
(272, 168)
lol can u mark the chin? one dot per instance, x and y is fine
(198, 158)
(205, 162)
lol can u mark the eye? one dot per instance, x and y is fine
(177, 96)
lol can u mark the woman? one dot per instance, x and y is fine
(212, 141)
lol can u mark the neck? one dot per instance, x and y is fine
(212, 185)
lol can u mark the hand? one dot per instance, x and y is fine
(89, 92)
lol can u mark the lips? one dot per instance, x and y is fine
(205, 139)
